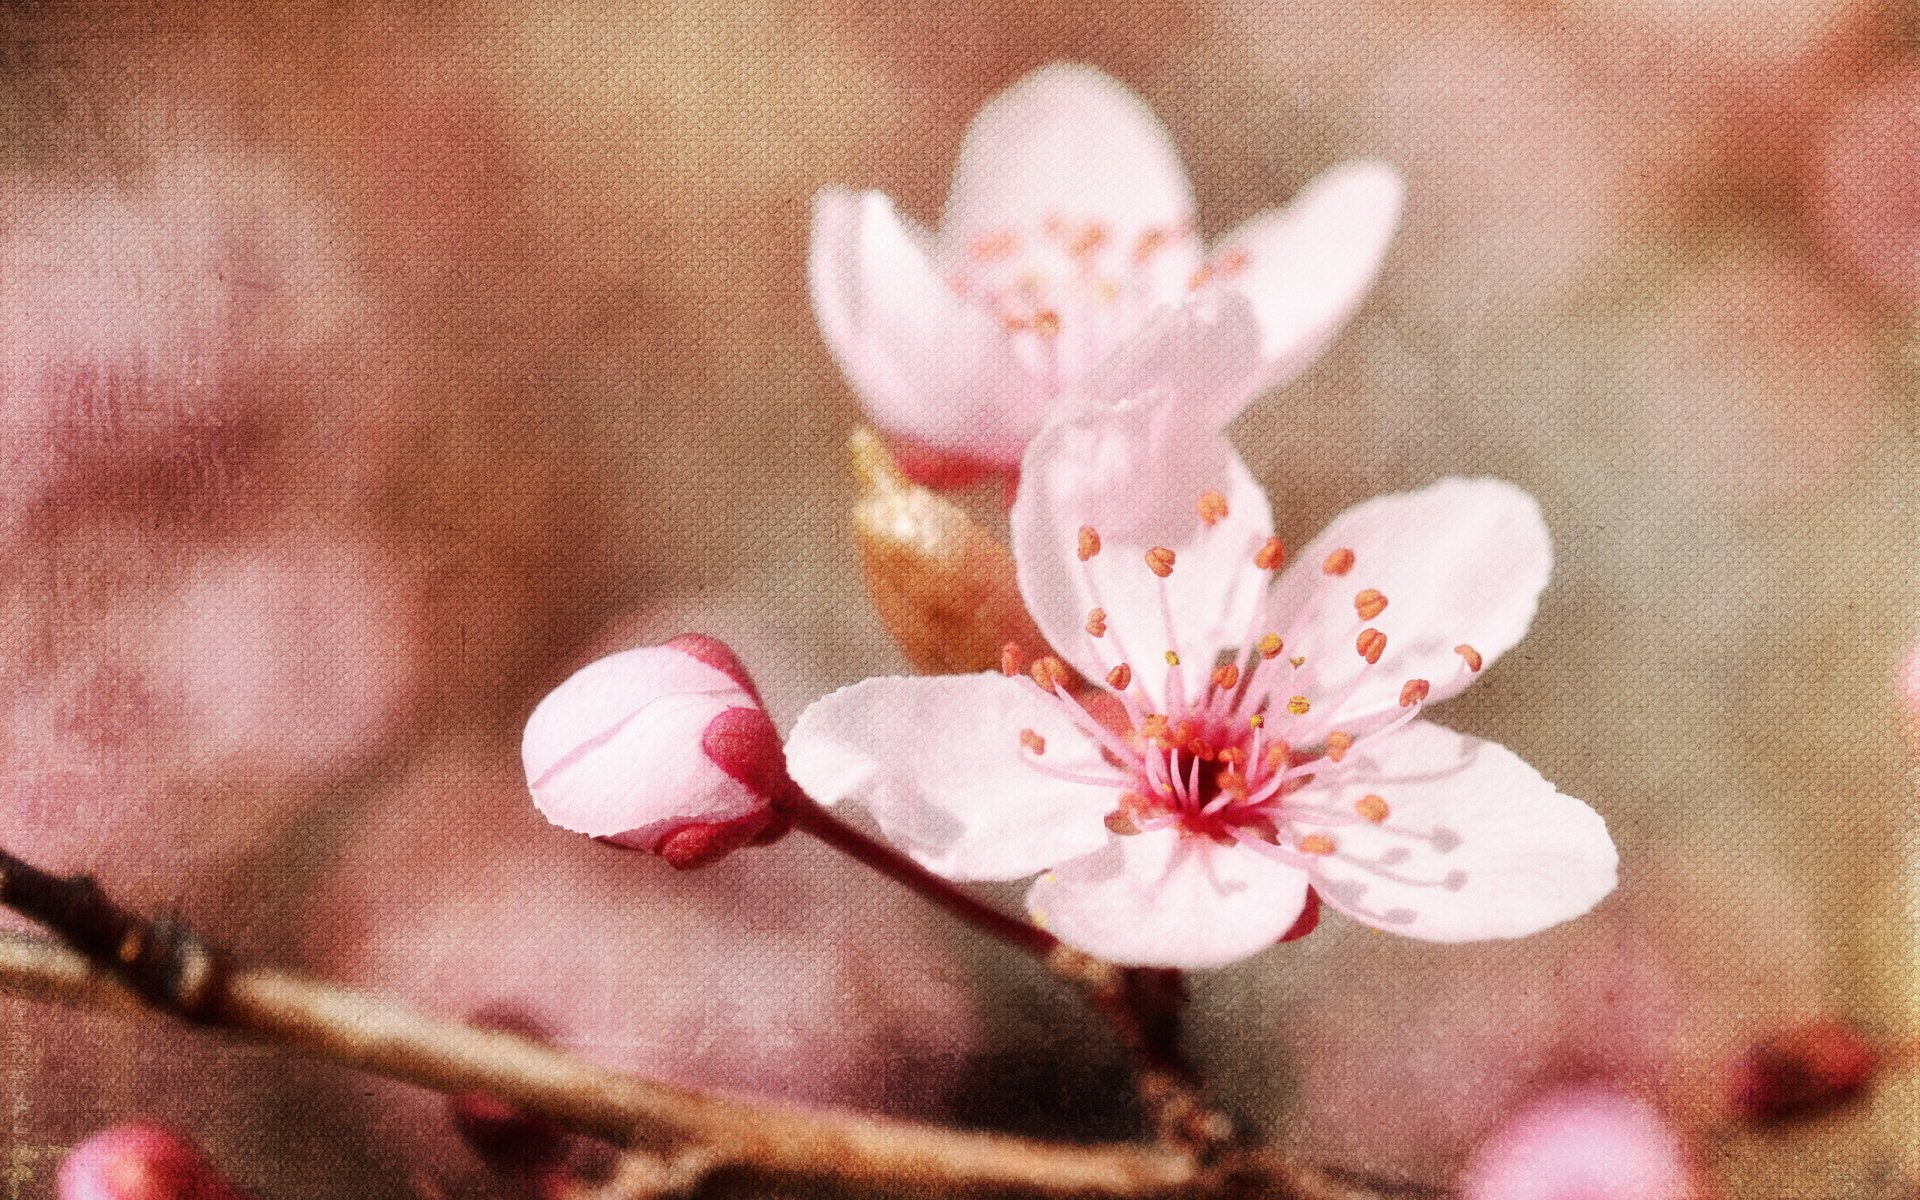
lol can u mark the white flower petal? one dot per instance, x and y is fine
(939, 763)
(617, 747)
(1475, 843)
(1165, 899)
(926, 364)
(1068, 142)
(1462, 562)
(1132, 465)
(1305, 267)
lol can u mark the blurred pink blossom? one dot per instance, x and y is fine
(1186, 809)
(140, 1161)
(1069, 224)
(664, 749)
(1866, 197)
(1583, 1143)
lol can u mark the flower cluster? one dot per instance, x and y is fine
(1218, 736)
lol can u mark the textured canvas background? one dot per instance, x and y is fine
(364, 369)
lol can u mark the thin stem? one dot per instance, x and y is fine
(812, 818)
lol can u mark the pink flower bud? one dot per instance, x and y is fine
(1582, 1143)
(664, 749)
(505, 1138)
(1801, 1072)
(140, 1161)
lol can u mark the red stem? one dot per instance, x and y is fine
(810, 816)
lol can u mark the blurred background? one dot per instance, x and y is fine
(366, 369)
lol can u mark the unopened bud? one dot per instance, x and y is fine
(664, 749)
(505, 1138)
(140, 1161)
(1801, 1072)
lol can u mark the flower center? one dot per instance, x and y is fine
(1067, 290)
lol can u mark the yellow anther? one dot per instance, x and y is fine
(1173, 660)
(1298, 706)
(1089, 542)
(1271, 646)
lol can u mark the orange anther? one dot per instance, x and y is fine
(1372, 807)
(1226, 677)
(1033, 741)
(1149, 243)
(1212, 507)
(1369, 604)
(1200, 277)
(1011, 659)
(1298, 706)
(997, 246)
(1097, 623)
(1120, 823)
(1049, 672)
(1318, 844)
(1414, 692)
(1154, 728)
(1472, 656)
(1271, 646)
(1276, 756)
(1234, 261)
(1090, 240)
(1089, 542)
(1338, 744)
(1120, 678)
(1371, 644)
(1201, 749)
(1046, 323)
(1339, 562)
(1232, 756)
(1270, 555)
(1160, 561)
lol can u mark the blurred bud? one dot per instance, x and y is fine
(943, 587)
(505, 1138)
(140, 1161)
(664, 749)
(1801, 1072)
(1578, 1144)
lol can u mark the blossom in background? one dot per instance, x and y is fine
(1584, 1143)
(140, 1161)
(1070, 222)
(665, 749)
(1247, 733)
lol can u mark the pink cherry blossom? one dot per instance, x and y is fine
(1584, 1143)
(665, 749)
(1070, 222)
(1247, 732)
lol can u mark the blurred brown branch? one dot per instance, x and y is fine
(713, 1143)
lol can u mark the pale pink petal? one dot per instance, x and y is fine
(1132, 464)
(939, 762)
(1166, 899)
(1580, 1144)
(1462, 562)
(1070, 143)
(926, 364)
(1474, 844)
(1305, 267)
(617, 747)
